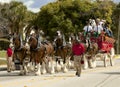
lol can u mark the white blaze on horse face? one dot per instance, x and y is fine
(58, 32)
(32, 32)
(24, 32)
(11, 40)
(41, 32)
(26, 44)
(70, 40)
(11, 45)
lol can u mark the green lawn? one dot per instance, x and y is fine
(3, 62)
(2, 54)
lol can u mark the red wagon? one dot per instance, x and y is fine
(106, 47)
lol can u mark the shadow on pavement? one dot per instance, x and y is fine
(112, 73)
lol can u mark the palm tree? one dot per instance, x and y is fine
(16, 15)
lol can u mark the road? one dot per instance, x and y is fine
(97, 77)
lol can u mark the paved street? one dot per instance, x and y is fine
(98, 77)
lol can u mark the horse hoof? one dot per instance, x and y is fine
(84, 68)
(20, 74)
(52, 72)
(37, 74)
(78, 75)
(8, 71)
(65, 71)
(13, 69)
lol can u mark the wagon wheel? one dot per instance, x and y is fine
(112, 53)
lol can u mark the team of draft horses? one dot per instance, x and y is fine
(38, 56)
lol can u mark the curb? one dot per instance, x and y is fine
(3, 67)
(117, 56)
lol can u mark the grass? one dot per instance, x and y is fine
(2, 54)
(3, 62)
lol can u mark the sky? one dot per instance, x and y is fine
(35, 5)
(32, 5)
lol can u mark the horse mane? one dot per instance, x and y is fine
(33, 42)
(59, 42)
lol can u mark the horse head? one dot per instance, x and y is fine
(16, 40)
(59, 39)
(73, 38)
(59, 33)
(11, 42)
(31, 42)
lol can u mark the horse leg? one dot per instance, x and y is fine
(105, 58)
(37, 69)
(91, 62)
(31, 65)
(65, 66)
(69, 64)
(25, 66)
(21, 69)
(47, 64)
(94, 61)
(112, 53)
(43, 69)
(51, 66)
(58, 67)
(111, 60)
(85, 65)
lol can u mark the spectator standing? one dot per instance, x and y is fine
(78, 51)
(9, 56)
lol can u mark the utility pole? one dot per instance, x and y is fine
(118, 36)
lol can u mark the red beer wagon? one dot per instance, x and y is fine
(105, 46)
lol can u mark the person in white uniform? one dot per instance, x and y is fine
(87, 29)
(98, 29)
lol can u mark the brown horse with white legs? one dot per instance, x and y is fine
(20, 53)
(49, 54)
(62, 50)
(42, 55)
(37, 55)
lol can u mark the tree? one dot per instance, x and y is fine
(71, 15)
(16, 15)
(116, 22)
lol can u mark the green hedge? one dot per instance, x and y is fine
(4, 43)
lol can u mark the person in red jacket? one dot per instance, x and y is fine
(9, 54)
(78, 51)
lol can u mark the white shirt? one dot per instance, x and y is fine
(87, 28)
(98, 29)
